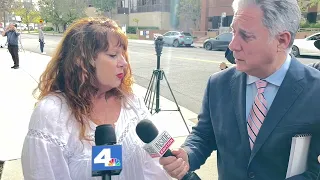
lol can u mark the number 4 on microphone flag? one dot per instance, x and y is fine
(106, 158)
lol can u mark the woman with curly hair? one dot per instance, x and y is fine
(87, 83)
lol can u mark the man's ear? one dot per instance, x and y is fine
(284, 39)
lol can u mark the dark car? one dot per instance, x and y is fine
(220, 42)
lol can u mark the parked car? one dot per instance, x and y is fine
(3, 40)
(306, 46)
(220, 42)
(176, 38)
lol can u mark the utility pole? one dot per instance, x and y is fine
(4, 19)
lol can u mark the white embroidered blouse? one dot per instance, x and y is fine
(52, 149)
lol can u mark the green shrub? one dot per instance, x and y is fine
(48, 29)
(309, 25)
(133, 29)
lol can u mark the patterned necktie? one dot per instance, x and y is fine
(258, 112)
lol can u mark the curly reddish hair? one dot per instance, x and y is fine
(70, 72)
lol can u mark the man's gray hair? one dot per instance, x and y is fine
(278, 15)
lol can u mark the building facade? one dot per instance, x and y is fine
(212, 11)
(150, 13)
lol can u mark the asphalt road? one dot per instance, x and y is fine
(187, 69)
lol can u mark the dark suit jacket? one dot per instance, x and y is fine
(222, 126)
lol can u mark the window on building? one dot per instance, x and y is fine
(144, 2)
(154, 2)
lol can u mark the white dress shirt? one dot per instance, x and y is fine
(52, 149)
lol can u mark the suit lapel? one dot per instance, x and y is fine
(288, 92)
(238, 93)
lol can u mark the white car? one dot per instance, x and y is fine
(3, 40)
(306, 46)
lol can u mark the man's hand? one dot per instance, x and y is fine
(319, 158)
(178, 165)
(223, 66)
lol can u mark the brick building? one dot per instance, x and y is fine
(212, 11)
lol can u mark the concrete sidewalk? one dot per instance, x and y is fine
(17, 105)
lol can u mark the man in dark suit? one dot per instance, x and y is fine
(250, 112)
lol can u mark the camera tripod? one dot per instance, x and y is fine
(153, 91)
(20, 44)
(19, 39)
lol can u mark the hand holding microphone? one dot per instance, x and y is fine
(177, 165)
(157, 145)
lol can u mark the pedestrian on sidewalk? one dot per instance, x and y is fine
(87, 83)
(41, 40)
(12, 40)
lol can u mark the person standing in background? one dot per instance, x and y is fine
(12, 40)
(41, 39)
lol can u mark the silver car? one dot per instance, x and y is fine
(176, 38)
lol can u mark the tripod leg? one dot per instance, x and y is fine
(21, 47)
(150, 94)
(146, 97)
(158, 91)
(185, 123)
(154, 89)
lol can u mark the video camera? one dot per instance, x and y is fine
(159, 45)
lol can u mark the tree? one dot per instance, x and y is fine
(62, 12)
(105, 5)
(69, 11)
(27, 12)
(190, 10)
(305, 4)
(136, 20)
(5, 7)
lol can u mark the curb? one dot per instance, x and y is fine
(137, 40)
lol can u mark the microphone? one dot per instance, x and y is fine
(158, 145)
(107, 157)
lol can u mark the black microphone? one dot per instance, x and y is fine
(158, 145)
(105, 135)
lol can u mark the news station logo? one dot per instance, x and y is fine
(106, 158)
(159, 145)
(163, 142)
(114, 162)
